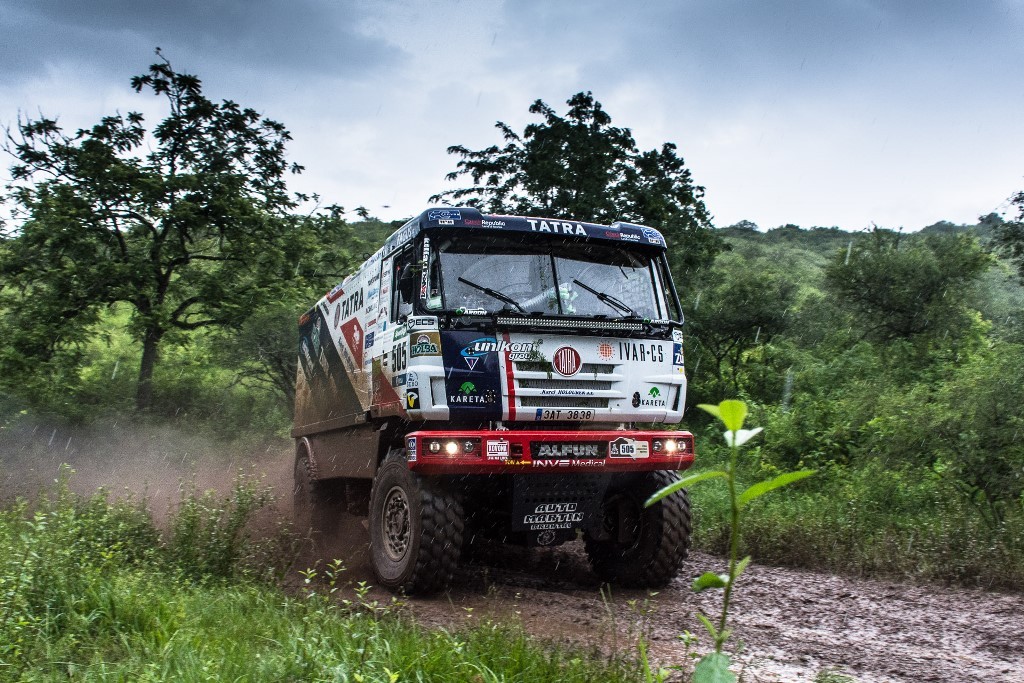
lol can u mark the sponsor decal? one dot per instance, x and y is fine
(352, 303)
(335, 293)
(412, 380)
(412, 400)
(566, 361)
(605, 351)
(314, 336)
(497, 450)
(611, 235)
(629, 237)
(677, 336)
(561, 227)
(423, 323)
(410, 448)
(478, 348)
(652, 235)
(566, 392)
(645, 353)
(369, 340)
(373, 293)
(568, 449)
(471, 222)
(653, 399)
(546, 537)
(444, 214)
(426, 344)
(628, 448)
(399, 380)
(513, 461)
(445, 221)
(491, 224)
(568, 462)
(553, 516)
(337, 315)
(468, 395)
(677, 354)
(353, 333)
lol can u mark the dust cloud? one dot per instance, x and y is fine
(154, 463)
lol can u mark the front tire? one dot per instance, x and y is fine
(416, 530)
(642, 547)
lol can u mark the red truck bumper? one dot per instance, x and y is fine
(519, 452)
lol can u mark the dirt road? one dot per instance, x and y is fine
(793, 624)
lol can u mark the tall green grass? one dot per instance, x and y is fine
(91, 590)
(870, 518)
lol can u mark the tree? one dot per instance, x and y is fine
(907, 288)
(738, 307)
(187, 223)
(581, 166)
(1009, 235)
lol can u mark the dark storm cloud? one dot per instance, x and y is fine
(281, 37)
(745, 48)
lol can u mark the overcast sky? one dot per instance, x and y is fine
(816, 112)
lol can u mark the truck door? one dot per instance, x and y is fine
(396, 297)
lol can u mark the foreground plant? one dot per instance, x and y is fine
(714, 667)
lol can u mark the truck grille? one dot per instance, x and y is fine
(539, 386)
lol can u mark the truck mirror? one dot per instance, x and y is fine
(407, 283)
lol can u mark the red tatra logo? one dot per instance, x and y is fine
(567, 361)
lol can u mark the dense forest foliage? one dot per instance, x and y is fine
(160, 274)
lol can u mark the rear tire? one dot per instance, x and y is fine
(316, 505)
(642, 547)
(416, 530)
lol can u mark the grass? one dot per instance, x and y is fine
(91, 590)
(869, 519)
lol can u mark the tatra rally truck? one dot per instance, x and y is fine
(503, 378)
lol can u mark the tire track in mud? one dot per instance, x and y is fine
(792, 623)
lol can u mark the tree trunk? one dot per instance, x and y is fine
(150, 351)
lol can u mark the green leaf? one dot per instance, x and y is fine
(709, 626)
(761, 488)
(732, 414)
(708, 408)
(710, 580)
(682, 483)
(714, 668)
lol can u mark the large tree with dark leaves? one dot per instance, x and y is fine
(187, 223)
(582, 167)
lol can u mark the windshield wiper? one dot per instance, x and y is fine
(496, 294)
(609, 299)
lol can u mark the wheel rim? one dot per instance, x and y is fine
(396, 524)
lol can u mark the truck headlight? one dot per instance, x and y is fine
(451, 448)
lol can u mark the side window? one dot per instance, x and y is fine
(403, 285)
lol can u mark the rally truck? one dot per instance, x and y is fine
(505, 378)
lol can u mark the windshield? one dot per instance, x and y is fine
(498, 272)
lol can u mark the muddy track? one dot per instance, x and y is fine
(792, 623)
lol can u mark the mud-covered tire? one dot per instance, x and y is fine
(416, 530)
(645, 547)
(316, 504)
